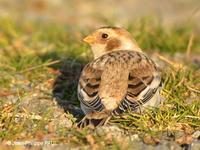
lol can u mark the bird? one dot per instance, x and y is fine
(120, 78)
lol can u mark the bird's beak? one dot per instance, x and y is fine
(89, 39)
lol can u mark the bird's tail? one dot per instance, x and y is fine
(94, 119)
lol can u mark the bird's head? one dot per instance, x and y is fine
(107, 39)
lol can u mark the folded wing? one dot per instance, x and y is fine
(88, 88)
(143, 82)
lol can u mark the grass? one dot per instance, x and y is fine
(31, 54)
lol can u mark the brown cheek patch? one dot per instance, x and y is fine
(112, 44)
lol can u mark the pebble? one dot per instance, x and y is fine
(196, 135)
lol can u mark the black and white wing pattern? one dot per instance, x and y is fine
(117, 82)
(88, 88)
(143, 82)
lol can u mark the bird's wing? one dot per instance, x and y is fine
(88, 87)
(143, 81)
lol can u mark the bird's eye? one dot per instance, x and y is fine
(104, 35)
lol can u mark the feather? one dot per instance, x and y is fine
(116, 82)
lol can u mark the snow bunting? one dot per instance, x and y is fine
(120, 78)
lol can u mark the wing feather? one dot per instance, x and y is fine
(143, 82)
(88, 88)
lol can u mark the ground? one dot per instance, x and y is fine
(36, 54)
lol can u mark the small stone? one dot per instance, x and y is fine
(134, 137)
(196, 135)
